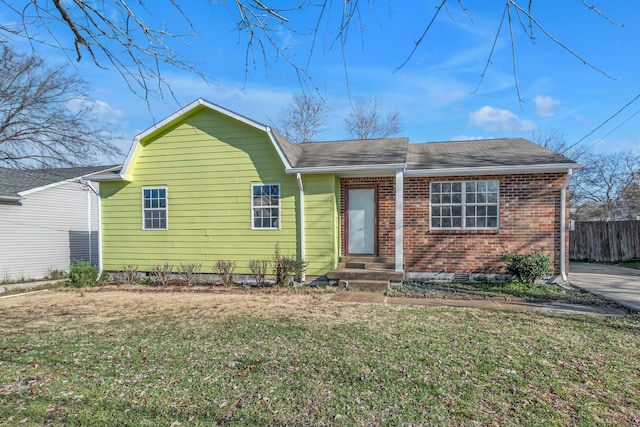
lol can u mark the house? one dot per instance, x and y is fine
(208, 184)
(48, 220)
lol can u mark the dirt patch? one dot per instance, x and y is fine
(107, 303)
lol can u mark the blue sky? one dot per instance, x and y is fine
(437, 91)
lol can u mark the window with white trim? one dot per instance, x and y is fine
(265, 206)
(464, 205)
(154, 208)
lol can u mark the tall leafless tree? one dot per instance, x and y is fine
(45, 118)
(606, 182)
(366, 121)
(556, 140)
(304, 119)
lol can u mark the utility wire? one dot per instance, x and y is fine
(606, 121)
(612, 130)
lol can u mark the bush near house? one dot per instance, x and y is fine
(528, 268)
(83, 274)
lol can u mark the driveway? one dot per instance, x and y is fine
(619, 284)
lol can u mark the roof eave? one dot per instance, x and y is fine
(10, 198)
(99, 178)
(495, 170)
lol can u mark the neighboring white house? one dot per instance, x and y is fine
(49, 219)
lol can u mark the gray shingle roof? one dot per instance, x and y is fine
(480, 153)
(290, 150)
(353, 153)
(14, 181)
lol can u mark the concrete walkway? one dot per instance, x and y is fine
(26, 285)
(619, 284)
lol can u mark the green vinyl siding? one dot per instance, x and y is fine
(321, 207)
(208, 162)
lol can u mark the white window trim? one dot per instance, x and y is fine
(464, 205)
(166, 189)
(253, 227)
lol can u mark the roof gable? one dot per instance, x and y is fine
(285, 149)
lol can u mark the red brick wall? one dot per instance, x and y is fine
(386, 212)
(529, 220)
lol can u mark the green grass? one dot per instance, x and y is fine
(510, 290)
(363, 365)
(630, 264)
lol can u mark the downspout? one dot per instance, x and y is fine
(89, 225)
(399, 226)
(99, 206)
(563, 225)
(302, 251)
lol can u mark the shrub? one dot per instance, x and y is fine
(529, 267)
(285, 268)
(225, 271)
(258, 268)
(55, 274)
(189, 272)
(161, 274)
(130, 273)
(83, 274)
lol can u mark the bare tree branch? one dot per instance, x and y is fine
(45, 118)
(121, 33)
(366, 122)
(304, 119)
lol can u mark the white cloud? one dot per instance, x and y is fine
(546, 106)
(101, 109)
(496, 120)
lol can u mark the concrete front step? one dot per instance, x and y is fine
(360, 274)
(367, 262)
(367, 265)
(368, 258)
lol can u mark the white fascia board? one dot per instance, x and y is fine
(99, 178)
(181, 112)
(10, 198)
(46, 187)
(104, 175)
(390, 168)
(494, 170)
(76, 179)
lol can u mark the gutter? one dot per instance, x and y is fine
(493, 170)
(391, 168)
(100, 265)
(302, 248)
(563, 225)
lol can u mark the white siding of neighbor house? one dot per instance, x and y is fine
(49, 230)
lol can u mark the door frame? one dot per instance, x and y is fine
(347, 188)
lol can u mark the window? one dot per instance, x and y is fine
(154, 208)
(464, 205)
(265, 206)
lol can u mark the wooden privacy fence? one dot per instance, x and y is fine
(605, 241)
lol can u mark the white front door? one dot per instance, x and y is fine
(361, 224)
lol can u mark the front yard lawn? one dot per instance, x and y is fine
(107, 357)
